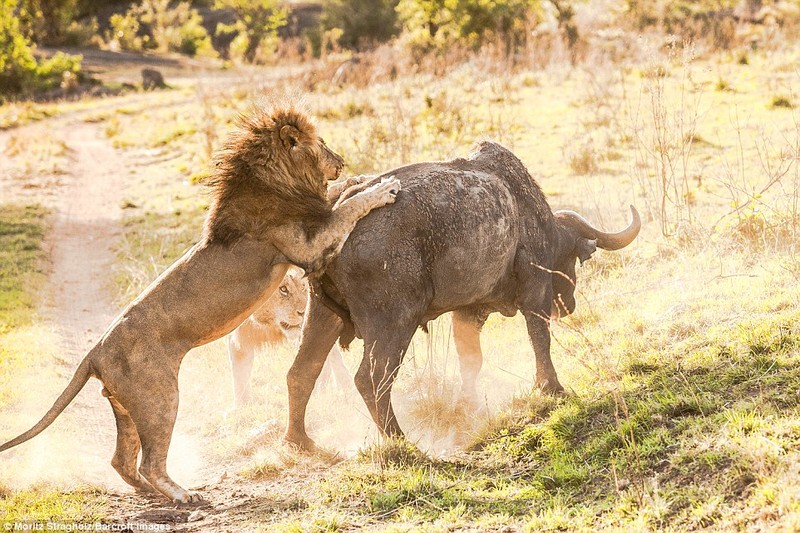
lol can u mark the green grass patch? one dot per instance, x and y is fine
(42, 503)
(18, 114)
(21, 232)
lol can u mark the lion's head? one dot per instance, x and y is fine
(281, 316)
(272, 169)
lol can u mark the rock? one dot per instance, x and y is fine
(164, 516)
(152, 79)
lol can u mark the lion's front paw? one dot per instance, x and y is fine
(385, 192)
(358, 180)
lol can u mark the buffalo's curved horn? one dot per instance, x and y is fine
(606, 241)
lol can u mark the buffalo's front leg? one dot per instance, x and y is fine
(320, 331)
(539, 333)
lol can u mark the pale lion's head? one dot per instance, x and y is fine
(272, 169)
(283, 313)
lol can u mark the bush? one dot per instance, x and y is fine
(153, 25)
(257, 26)
(125, 31)
(362, 22)
(47, 21)
(440, 23)
(50, 72)
(82, 33)
(692, 20)
(19, 71)
(16, 57)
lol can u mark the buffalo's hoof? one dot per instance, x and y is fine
(302, 443)
(552, 387)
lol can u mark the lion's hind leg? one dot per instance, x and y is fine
(128, 445)
(153, 411)
(155, 431)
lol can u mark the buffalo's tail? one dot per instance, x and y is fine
(348, 332)
(82, 375)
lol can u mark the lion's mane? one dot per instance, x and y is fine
(260, 180)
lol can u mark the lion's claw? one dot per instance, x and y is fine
(386, 191)
(190, 496)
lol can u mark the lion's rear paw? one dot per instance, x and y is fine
(190, 497)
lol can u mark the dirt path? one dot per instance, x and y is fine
(84, 231)
(78, 306)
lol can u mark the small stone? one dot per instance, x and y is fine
(164, 516)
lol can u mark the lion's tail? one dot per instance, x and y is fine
(82, 375)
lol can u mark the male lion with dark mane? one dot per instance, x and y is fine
(270, 209)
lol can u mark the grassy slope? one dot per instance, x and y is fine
(682, 359)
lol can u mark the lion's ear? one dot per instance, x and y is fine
(290, 135)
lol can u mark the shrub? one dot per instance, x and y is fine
(192, 38)
(47, 21)
(125, 31)
(440, 23)
(692, 20)
(362, 22)
(16, 57)
(778, 102)
(154, 25)
(81, 33)
(257, 24)
(19, 70)
(50, 72)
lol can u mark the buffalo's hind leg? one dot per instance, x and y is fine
(128, 445)
(320, 331)
(386, 340)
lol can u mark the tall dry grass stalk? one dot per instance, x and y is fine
(665, 126)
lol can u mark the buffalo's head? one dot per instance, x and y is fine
(578, 241)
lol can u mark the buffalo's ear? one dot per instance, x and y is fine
(290, 136)
(584, 248)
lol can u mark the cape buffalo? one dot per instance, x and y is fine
(472, 236)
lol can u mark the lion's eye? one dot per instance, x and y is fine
(284, 290)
